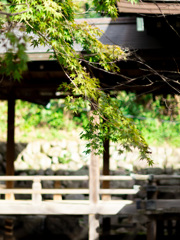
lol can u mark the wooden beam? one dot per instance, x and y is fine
(68, 207)
(68, 191)
(44, 178)
(10, 154)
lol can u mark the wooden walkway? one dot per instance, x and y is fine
(93, 207)
(152, 207)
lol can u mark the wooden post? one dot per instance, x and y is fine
(106, 183)
(106, 224)
(151, 205)
(8, 229)
(57, 185)
(93, 227)
(36, 186)
(151, 229)
(94, 189)
(94, 178)
(10, 155)
(93, 195)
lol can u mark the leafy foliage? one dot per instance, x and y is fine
(158, 122)
(53, 21)
(157, 119)
(112, 125)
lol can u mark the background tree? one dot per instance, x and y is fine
(53, 23)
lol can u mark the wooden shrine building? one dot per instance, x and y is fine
(151, 32)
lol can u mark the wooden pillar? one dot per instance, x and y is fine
(106, 224)
(10, 154)
(94, 178)
(106, 183)
(93, 195)
(94, 190)
(151, 205)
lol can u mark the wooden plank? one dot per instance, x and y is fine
(45, 191)
(114, 207)
(106, 20)
(67, 191)
(148, 7)
(140, 176)
(125, 178)
(43, 178)
(116, 178)
(118, 191)
(81, 207)
(85, 177)
(41, 56)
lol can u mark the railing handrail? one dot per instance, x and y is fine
(36, 191)
(43, 178)
(75, 177)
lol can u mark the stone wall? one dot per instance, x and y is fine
(69, 155)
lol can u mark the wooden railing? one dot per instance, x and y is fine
(151, 205)
(36, 191)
